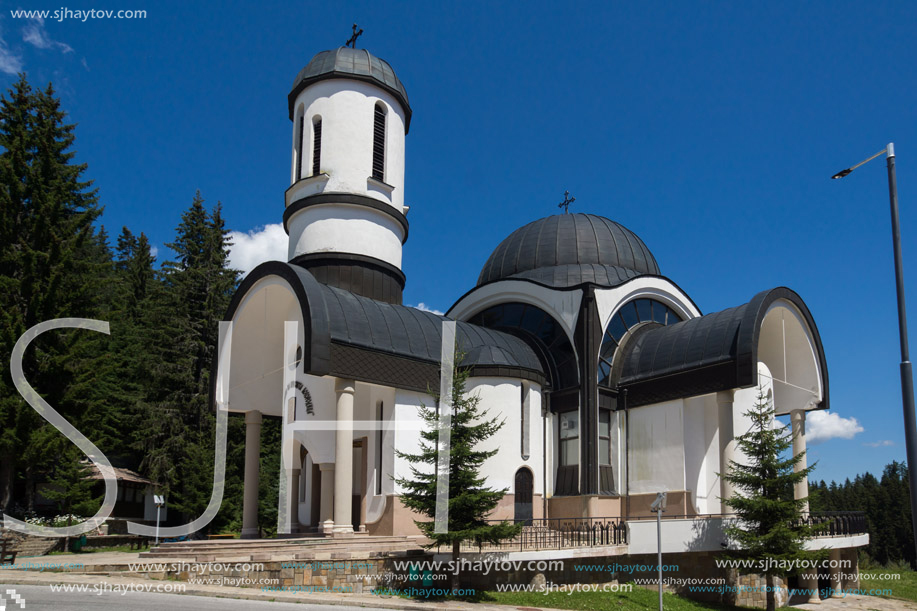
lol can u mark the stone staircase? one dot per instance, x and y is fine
(269, 550)
(26, 546)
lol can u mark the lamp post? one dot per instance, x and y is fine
(658, 507)
(907, 378)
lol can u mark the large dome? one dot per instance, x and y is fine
(569, 249)
(358, 64)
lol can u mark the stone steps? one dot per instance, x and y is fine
(248, 550)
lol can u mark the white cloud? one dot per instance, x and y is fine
(822, 426)
(154, 251)
(85, 65)
(36, 35)
(248, 250)
(423, 308)
(885, 443)
(9, 63)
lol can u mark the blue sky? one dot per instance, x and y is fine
(709, 129)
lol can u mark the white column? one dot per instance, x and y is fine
(326, 472)
(724, 404)
(343, 458)
(294, 500)
(250, 528)
(798, 421)
(835, 573)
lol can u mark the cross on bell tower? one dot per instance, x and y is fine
(352, 42)
(567, 201)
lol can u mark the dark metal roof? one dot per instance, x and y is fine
(347, 334)
(358, 64)
(568, 249)
(406, 331)
(562, 276)
(706, 354)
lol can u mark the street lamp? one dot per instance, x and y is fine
(907, 378)
(658, 507)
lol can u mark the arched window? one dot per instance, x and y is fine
(631, 314)
(299, 147)
(524, 420)
(316, 146)
(379, 143)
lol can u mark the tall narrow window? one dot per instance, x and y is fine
(299, 147)
(379, 451)
(604, 437)
(524, 422)
(569, 439)
(316, 146)
(379, 143)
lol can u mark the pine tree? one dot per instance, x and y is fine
(470, 501)
(179, 425)
(769, 525)
(52, 265)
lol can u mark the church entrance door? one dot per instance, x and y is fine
(523, 496)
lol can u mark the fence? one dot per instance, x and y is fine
(559, 533)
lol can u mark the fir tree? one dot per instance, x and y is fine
(769, 525)
(52, 265)
(179, 424)
(470, 501)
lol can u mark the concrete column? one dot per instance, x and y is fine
(252, 466)
(343, 457)
(798, 421)
(724, 404)
(835, 572)
(326, 471)
(809, 581)
(294, 500)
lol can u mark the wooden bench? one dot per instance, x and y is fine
(7, 555)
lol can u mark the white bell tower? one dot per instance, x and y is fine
(345, 211)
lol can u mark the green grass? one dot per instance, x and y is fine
(639, 599)
(96, 550)
(904, 588)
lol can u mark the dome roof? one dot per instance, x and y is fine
(569, 249)
(358, 64)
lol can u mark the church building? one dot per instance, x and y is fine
(613, 384)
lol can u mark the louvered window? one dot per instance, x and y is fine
(316, 146)
(379, 143)
(299, 148)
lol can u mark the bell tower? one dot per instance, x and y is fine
(345, 211)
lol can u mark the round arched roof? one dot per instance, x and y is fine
(358, 64)
(568, 249)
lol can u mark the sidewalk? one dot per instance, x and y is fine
(14, 576)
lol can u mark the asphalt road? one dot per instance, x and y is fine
(42, 598)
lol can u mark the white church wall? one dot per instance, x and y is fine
(501, 398)
(702, 452)
(347, 108)
(608, 301)
(655, 448)
(745, 399)
(366, 406)
(346, 228)
(407, 432)
(317, 440)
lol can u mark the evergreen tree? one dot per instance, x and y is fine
(179, 423)
(52, 265)
(769, 526)
(470, 501)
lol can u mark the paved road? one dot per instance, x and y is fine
(41, 598)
